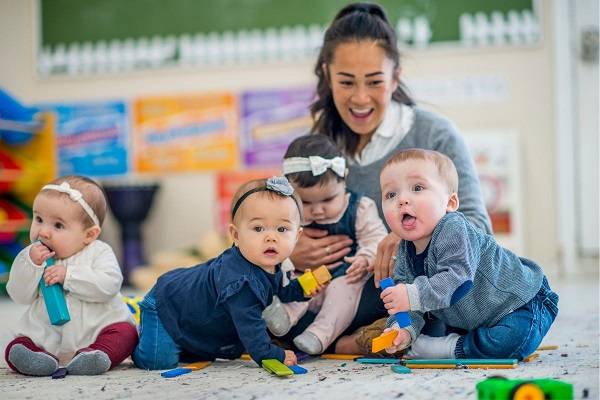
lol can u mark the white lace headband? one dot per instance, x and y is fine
(76, 196)
(315, 164)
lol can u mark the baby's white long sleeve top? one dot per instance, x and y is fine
(92, 292)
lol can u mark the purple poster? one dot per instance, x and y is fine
(271, 119)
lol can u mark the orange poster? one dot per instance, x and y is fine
(228, 184)
(185, 133)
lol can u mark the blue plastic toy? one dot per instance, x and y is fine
(54, 298)
(12, 110)
(403, 318)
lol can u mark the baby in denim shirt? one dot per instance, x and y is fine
(213, 310)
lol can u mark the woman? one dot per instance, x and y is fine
(362, 106)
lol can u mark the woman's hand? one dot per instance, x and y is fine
(384, 261)
(316, 248)
(290, 358)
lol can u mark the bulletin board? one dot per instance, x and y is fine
(68, 21)
(111, 36)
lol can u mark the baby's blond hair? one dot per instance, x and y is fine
(445, 166)
(92, 194)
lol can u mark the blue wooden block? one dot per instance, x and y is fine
(366, 360)
(401, 369)
(298, 370)
(60, 373)
(172, 373)
(403, 318)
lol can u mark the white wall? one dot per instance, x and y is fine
(185, 207)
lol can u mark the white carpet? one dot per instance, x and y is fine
(576, 331)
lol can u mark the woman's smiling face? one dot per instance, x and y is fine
(362, 80)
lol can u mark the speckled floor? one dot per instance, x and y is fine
(576, 331)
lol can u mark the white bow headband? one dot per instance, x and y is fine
(76, 196)
(317, 165)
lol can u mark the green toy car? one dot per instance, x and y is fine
(500, 388)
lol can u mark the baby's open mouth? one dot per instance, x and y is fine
(270, 252)
(408, 220)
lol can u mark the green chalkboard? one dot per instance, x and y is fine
(76, 21)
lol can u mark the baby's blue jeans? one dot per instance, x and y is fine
(156, 349)
(516, 335)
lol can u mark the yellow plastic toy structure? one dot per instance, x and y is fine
(383, 341)
(310, 280)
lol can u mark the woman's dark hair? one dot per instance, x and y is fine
(355, 22)
(312, 145)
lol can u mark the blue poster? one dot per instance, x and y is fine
(92, 138)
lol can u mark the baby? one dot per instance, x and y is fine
(499, 305)
(67, 219)
(213, 310)
(317, 170)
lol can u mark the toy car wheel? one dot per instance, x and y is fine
(527, 391)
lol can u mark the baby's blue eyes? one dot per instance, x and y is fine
(390, 195)
(418, 188)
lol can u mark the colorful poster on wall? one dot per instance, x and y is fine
(271, 120)
(92, 138)
(496, 156)
(228, 184)
(185, 133)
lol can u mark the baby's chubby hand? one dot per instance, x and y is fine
(395, 299)
(290, 358)
(55, 274)
(357, 269)
(401, 341)
(38, 252)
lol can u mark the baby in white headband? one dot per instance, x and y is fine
(67, 218)
(317, 171)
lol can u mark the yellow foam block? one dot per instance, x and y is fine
(308, 282)
(322, 275)
(383, 341)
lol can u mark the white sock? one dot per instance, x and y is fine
(429, 347)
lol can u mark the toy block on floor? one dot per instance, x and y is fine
(172, 373)
(329, 356)
(367, 360)
(297, 370)
(198, 365)
(401, 369)
(276, 367)
(322, 275)
(383, 341)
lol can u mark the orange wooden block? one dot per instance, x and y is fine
(198, 365)
(329, 356)
(322, 275)
(383, 341)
